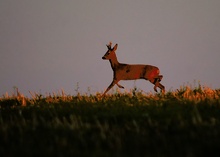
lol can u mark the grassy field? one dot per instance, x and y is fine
(185, 122)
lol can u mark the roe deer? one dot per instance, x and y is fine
(131, 72)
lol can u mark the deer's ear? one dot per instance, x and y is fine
(115, 47)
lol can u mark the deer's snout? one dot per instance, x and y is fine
(103, 57)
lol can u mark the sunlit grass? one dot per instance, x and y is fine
(184, 93)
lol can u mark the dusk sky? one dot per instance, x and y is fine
(49, 45)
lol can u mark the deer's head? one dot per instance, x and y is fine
(110, 54)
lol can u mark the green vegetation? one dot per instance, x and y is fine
(185, 122)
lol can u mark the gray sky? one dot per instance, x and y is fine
(49, 45)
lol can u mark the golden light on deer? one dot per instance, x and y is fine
(123, 71)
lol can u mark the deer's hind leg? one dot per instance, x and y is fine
(160, 85)
(159, 77)
(156, 82)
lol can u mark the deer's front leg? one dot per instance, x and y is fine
(120, 86)
(109, 87)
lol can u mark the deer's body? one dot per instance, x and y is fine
(131, 71)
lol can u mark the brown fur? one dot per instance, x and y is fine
(131, 72)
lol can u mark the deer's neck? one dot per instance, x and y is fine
(114, 63)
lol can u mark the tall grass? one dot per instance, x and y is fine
(184, 122)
